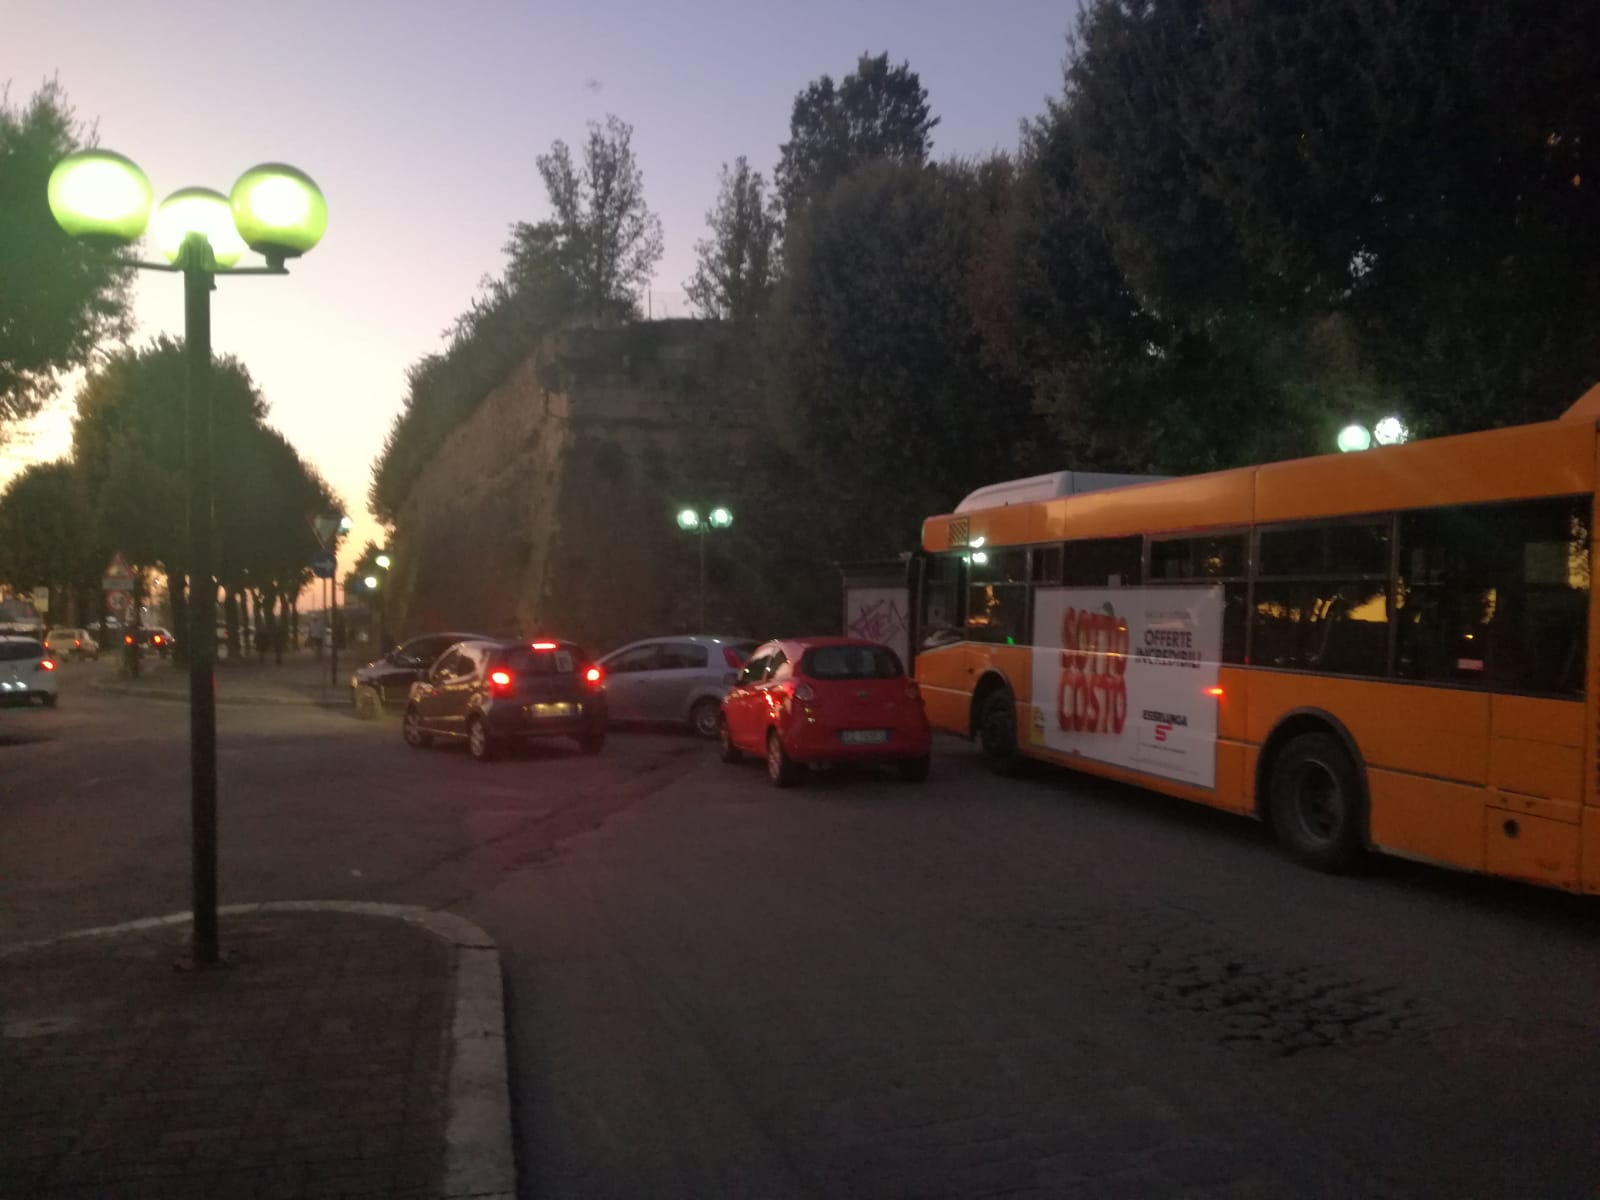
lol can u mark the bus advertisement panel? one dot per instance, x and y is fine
(1128, 676)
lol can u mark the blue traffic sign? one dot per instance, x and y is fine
(323, 564)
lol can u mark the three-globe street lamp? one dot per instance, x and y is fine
(372, 583)
(103, 198)
(690, 521)
(328, 530)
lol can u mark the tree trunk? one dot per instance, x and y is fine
(178, 601)
(263, 623)
(230, 617)
(294, 622)
(280, 631)
(131, 633)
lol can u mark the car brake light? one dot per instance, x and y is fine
(77, 644)
(499, 680)
(544, 645)
(156, 640)
(128, 640)
(732, 658)
(46, 664)
(592, 675)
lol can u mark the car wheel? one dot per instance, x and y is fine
(781, 769)
(915, 770)
(368, 706)
(730, 752)
(1316, 803)
(592, 743)
(997, 733)
(411, 729)
(479, 744)
(706, 717)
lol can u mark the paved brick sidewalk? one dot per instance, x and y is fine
(316, 1065)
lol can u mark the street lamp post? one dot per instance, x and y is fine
(103, 198)
(690, 521)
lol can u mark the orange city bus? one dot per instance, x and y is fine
(1380, 650)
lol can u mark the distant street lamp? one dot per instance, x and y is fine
(1354, 438)
(1390, 431)
(103, 198)
(689, 521)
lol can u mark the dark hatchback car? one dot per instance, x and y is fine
(388, 680)
(492, 693)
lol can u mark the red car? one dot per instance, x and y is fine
(800, 701)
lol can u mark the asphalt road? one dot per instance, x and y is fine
(971, 987)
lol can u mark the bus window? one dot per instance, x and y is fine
(1218, 558)
(1322, 597)
(942, 615)
(997, 597)
(1104, 562)
(1496, 595)
(1047, 566)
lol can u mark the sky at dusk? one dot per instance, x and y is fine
(421, 122)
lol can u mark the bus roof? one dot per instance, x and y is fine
(1551, 458)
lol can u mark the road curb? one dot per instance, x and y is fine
(480, 1162)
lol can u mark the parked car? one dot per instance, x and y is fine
(804, 701)
(491, 693)
(388, 680)
(65, 643)
(153, 638)
(681, 680)
(27, 671)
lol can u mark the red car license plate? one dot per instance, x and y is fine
(859, 737)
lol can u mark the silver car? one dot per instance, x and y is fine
(681, 680)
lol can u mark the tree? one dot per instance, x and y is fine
(738, 263)
(605, 234)
(875, 112)
(880, 361)
(1359, 204)
(58, 298)
(48, 537)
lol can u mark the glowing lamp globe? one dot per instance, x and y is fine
(1355, 437)
(1391, 431)
(197, 210)
(688, 519)
(372, 582)
(383, 562)
(100, 196)
(721, 518)
(280, 212)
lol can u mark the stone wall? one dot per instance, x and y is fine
(551, 510)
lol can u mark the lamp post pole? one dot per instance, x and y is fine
(701, 535)
(104, 198)
(197, 285)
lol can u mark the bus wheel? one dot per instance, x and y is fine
(997, 733)
(1316, 803)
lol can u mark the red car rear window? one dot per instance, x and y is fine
(851, 662)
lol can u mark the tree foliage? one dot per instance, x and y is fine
(738, 264)
(58, 298)
(880, 358)
(1360, 204)
(876, 112)
(602, 229)
(47, 535)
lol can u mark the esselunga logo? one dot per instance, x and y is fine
(1092, 696)
(1164, 722)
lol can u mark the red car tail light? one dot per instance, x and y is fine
(156, 641)
(77, 643)
(46, 664)
(127, 640)
(593, 676)
(499, 681)
(543, 645)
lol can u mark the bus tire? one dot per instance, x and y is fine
(997, 733)
(1316, 801)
